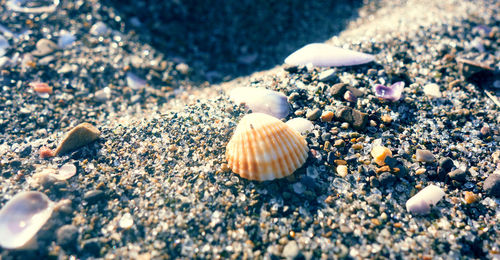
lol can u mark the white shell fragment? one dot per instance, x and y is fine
(22, 217)
(66, 39)
(422, 201)
(325, 55)
(66, 171)
(432, 90)
(261, 100)
(30, 6)
(300, 125)
(126, 221)
(134, 82)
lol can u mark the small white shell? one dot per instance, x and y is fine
(261, 100)
(134, 82)
(325, 55)
(422, 201)
(301, 125)
(22, 217)
(264, 148)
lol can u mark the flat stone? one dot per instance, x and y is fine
(313, 114)
(79, 136)
(67, 236)
(291, 250)
(338, 90)
(432, 90)
(458, 175)
(491, 185)
(44, 47)
(93, 196)
(424, 156)
(356, 118)
(386, 179)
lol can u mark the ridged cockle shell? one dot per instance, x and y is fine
(325, 55)
(264, 148)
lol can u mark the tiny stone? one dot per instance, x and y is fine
(126, 221)
(424, 156)
(67, 236)
(458, 175)
(470, 197)
(386, 179)
(327, 75)
(432, 90)
(344, 125)
(293, 97)
(491, 185)
(342, 170)
(386, 118)
(349, 96)
(379, 153)
(338, 90)
(445, 165)
(327, 116)
(44, 47)
(485, 130)
(313, 114)
(291, 250)
(357, 146)
(93, 196)
(183, 68)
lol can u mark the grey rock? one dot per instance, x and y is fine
(93, 196)
(445, 165)
(424, 156)
(67, 236)
(458, 175)
(386, 179)
(491, 185)
(45, 47)
(313, 114)
(338, 90)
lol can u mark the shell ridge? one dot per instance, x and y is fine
(278, 166)
(289, 147)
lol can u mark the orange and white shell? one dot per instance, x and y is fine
(264, 148)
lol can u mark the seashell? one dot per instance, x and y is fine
(325, 55)
(392, 93)
(4, 45)
(261, 100)
(22, 217)
(264, 148)
(300, 125)
(422, 201)
(23, 6)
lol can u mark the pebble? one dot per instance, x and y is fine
(66, 39)
(66, 171)
(344, 126)
(313, 114)
(349, 96)
(338, 90)
(342, 170)
(356, 118)
(386, 179)
(67, 236)
(79, 136)
(470, 197)
(491, 185)
(301, 125)
(445, 165)
(134, 82)
(291, 250)
(126, 221)
(102, 95)
(93, 196)
(327, 116)
(458, 175)
(432, 90)
(99, 29)
(386, 118)
(424, 156)
(379, 153)
(183, 68)
(422, 201)
(44, 47)
(327, 75)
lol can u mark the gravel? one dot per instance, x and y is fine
(156, 183)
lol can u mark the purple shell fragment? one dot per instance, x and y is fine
(392, 93)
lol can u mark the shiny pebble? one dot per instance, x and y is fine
(424, 156)
(126, 221)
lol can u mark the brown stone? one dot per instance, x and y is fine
(79, 136)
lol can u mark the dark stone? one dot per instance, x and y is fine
(374, 182)
(26, 151)
(386, 179)
(344, 114)
(458, 175)
(359, 119)
(445, 166)
(330, 158)
(291, 68)
(338, 90)
(391, 162)
(356, 92)
(92, 246)
(67, 236)
(491, 185)
(93, 196)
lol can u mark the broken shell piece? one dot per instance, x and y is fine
(261, 100)
(301, 125)
(325, 55)
(264, 148)
(391, 93)
(22, 217)
(422, 201)
(17, 5)
(79, 136)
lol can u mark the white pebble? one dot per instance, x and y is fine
(66, 171)
(432, 90)
(301, 125)
(126, 221)
(98, 29)
(422, 201)
(342, 170)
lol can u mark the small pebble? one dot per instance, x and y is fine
(301, 125)
(99, 29)
(44, 47)
(183, 68)
(67, 236)
(126, 221)
(458, 175)
(432, 90)
(327, 116)
(313, 114)
(79, 136)
(386, 179)
(344, 125)
(327, 75)
(291, 250)
(93, 196)
(379, 153)
(491, 185)
(66, 171)
(424, 156)
(386, 118)
(342, 170)
(46, 152)
(338, 90)
(349, 96)
(420, 171)
(470, 197)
